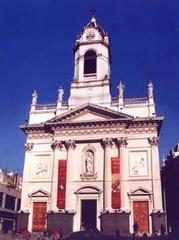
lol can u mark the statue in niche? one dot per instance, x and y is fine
(89, 161)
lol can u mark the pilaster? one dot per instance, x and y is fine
(56, 147)
(26, 175)
(156, 181)
(107, 144)
(122, 143)
(70, 146)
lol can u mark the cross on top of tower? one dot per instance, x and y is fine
(93, 11)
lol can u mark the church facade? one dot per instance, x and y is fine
(92, 162)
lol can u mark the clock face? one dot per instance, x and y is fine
(90, 34)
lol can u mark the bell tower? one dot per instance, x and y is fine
(91, 82)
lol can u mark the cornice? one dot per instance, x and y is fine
(93, 127)
(153, 121)
(93, 132)
(102, 84)
(35, 128)
(90, 43)
(90, 124)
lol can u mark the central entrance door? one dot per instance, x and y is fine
(88, 214)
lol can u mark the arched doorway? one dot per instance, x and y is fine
(89, 206)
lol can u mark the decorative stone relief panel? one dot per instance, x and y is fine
(40, 166)
(138, 163)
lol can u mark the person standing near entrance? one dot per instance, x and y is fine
(135, 229)
(82, 227)
(162, 230)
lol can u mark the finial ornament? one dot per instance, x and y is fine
(93, 11)
(34, 97)
(150, 89)
(60, 94)
(121, 89)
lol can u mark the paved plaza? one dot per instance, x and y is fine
(82, 236)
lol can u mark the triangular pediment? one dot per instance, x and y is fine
(140, 191)
(89, 112)
(39, 193)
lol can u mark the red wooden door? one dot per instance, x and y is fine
(141, 215)
(39, 216)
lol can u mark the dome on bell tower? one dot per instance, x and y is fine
(92, 31)
(95, 25)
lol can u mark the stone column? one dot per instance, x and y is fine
(70, 146)
(124, 172)
(56, 147)
(1, 221)
(3, 200)
(16, 204)
(107, 144)
(155, 173)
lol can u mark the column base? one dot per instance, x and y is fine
(22, 221)
(60, 221)
(111, 222)
(158, 218)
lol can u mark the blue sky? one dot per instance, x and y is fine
(36, 41)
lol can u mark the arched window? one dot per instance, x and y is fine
(90, 62)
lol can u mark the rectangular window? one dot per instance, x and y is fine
(10, 202)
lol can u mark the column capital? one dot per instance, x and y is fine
(153, 141)
(70, 144)
(107, 142)
(56, 145)
(121, 142)
(28, 146)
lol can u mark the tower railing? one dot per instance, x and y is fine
(130, 101)
(45, 106)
